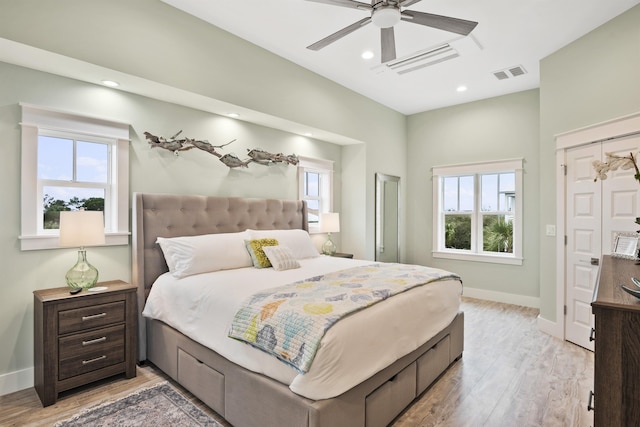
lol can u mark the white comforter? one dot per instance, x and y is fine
(202, 307)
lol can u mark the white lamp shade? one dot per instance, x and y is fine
(330, 222)
(81, 228)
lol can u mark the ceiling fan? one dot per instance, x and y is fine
(387, 13)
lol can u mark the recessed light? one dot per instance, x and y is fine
(110, 83)
(367, 54)
(461, 88)
(234, 115)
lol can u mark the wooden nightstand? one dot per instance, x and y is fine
(83, 338)
(342, 255)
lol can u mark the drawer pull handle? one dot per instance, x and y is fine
(97, 359)
(591, 335)
(93, 316)
(590, 404)
(95, 341)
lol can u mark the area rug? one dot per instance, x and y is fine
(157, 406)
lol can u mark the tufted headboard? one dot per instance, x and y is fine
(169, 215)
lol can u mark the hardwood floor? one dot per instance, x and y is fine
(510, 374)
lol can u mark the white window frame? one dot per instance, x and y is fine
(476, 169)
(325, 169)
(38, 121)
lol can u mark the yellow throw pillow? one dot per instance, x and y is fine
(259, 258)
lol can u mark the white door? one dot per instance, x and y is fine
(595, 213)
(583, 228)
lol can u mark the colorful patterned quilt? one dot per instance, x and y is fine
(289, 321)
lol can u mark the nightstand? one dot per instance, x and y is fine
(342, 255)
(82, 338)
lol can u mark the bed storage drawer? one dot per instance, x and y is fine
(432, 363)
(204, 382)
(388, 400)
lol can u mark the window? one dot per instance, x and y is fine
(478, 212)
(71, 162)
(315, 186)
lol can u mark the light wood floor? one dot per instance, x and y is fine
(510, 374)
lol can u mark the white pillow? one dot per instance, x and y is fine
(280, 257)
(190, 255)
(298, 241)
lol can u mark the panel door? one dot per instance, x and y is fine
(595, 213)
(583, 248)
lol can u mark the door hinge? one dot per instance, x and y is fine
(564, 169)
(565, 240)
(565, 310)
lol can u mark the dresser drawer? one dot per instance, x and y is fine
(96, 359)
(90, 317)
(89, 342)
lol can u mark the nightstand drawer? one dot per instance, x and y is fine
(90, 342)
(90, 317)
(92, 361)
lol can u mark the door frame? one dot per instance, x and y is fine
(600, 132)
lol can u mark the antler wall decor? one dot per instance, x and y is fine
(256, 155)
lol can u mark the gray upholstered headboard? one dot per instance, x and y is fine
(170, 215)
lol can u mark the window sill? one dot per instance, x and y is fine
(494, 259)
(32, 243)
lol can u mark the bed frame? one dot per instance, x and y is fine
(242, 397)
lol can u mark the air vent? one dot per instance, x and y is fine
(515, 71)
(419, 60)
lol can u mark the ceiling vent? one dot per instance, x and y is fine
(418, 60)
(453, 48)
(507, 73)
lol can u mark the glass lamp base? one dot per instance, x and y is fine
(329, 248)
(82, 275)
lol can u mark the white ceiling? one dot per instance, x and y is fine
(510, 33)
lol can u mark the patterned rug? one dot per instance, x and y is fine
(157, 406)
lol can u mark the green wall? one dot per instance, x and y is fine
(591, 80)
(500, 128)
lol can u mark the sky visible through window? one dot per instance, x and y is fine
(458, 192)
(56, 163)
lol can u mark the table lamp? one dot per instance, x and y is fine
(329, 223)
(81, 228)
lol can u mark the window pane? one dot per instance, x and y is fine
(507, 191)
(466, 194)
(55, 158)
(450, 194)
(312, 184)
(497, 233)
(313, 211)
(489, 193)
(91, 162)
(58, 199)
(457, 231)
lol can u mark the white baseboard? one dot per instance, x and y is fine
(522, 300)
(552, 328)
(16, 381)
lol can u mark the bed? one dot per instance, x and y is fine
(255, 389)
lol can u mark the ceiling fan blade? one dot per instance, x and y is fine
(388, 47)
(339, 34)
(407, 3)
(346, 3)
(453, 25)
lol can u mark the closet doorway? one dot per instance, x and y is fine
(595, 212)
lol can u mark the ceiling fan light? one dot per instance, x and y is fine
(385, 17)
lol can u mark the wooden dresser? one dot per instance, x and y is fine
(616, 394)
(83, 338)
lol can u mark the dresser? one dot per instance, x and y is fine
(616, 395)
(83, 338)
